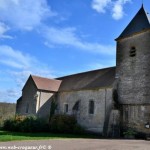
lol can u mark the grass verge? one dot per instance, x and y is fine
(15, 136)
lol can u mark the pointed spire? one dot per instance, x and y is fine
(142, 5)
(140, 22)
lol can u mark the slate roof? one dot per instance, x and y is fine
(46, 83)
(88, 80)
(139, 23)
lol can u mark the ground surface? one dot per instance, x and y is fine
(78, 144)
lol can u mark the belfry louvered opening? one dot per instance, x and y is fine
(132, 51)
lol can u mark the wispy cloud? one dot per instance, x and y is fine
(116, 7)
(20, 66)
(26, 17)
(3, 29)
(24, 14)
(8, 94)
(68, 37)
(22, 61)
(14, 58)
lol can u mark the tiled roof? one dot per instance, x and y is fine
(88, 80)
(140, 22)
(46, 83)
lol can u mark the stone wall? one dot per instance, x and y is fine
(44, 104)
(133, 83)
(102, 102)
(37, 101)
(28, 99)
(134, 72)
(136, 117)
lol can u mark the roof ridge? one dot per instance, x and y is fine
(85, 72)
(44, 77)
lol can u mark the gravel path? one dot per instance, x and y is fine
(77, 144)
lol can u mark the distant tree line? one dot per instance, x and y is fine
(7, 110)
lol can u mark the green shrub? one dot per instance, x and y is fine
(25, 124)
(7, 124)
(1, 122)
(58, 124)
(79, 129)
(65, 124)
(129, 132)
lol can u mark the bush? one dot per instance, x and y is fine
(25, 124)
(6, 125)
(65, 124)
(130, 132)
(58, 124)
(1, 122)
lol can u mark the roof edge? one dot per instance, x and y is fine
(44, 77)
(85, 72)
(147, 17)
(30, 76)
(87, 89)
(136, 33)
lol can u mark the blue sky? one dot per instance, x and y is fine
(53, 38)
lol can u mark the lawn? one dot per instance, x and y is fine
(14, 136)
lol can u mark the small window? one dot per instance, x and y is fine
(65, 108)
(76, 106)
(27, 108)
(126, 115)
(91, 107)
(132, 51)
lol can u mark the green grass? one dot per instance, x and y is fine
(14, 136)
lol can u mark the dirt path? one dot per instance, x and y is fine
(77, 144)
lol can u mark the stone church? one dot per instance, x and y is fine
(107, 100)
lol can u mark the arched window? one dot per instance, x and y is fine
(91, 107)
(132, 51)
(66, 108)
(27, 108)
(76, 106)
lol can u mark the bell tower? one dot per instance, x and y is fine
(133, 72)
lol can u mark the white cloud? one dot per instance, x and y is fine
(115, 6)
(20, 65)
(22, 61)
(24, 14)
(100, 5)
(117, 10)
(14, 58)
(68, 37)
(3, 29)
